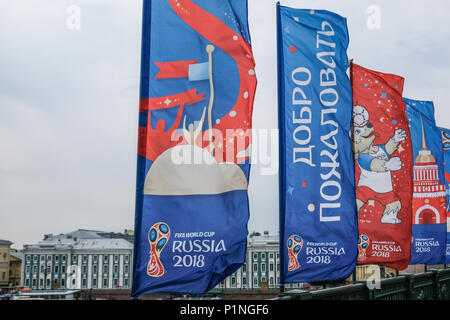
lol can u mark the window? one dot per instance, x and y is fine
(271, 256)
(42, 269)
(74, 259)
(271, 267)
(244, 268)
(84, 269)
(263, 256)
(63, 258)
(83, 283)
(94, 269)
(233, 281)
(28, 269)
(27, 282)
(41, 282)
(34, 269)
(73, 282)
(63, 269)
(49, 258)
(263, 279)
(63, 282)
(42, 257)
(244, 281)
(105, 258)
(28, 258)
(263, 267)
(255, 256)
(56, 269)
(255, 267)
(127, 258)
(271, 281)
(116, 282)
(95, 258)
(105, 283)
(116, 258)
(255, 282)
(48, 283)
(105, 268)
(35, 257)
(125, 282)
(116, 269)
(56, 258)
(84, 258)
(94, 283)
(125, 269)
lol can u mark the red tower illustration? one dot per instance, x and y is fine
(429, 202)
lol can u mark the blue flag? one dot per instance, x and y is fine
(446, 145)
(318, 217)
(197, 90)
(429, 214)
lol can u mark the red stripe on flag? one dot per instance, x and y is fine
(188, 97)
(174, 69)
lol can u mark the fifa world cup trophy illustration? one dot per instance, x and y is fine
(363, 244)
(295, 245)
(158, 236)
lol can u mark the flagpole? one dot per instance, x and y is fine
(281, 149)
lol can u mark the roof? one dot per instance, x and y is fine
(84, 240)
(5, 242)
(95, 244)
(18, 255)
(264, 240)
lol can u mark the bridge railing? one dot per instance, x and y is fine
(431, 285)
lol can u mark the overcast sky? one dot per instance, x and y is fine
(69, 102)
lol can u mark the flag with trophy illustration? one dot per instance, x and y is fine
(383, 168)
(197, 90)
(446, 145)
(318, 222)
(429, 206)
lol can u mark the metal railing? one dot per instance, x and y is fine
(431, 285)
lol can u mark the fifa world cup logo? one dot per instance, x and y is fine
(158, 236)
(295, 245)
(363, 244)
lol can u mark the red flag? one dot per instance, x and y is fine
(384, 166)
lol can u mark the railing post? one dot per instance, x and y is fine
(436, 285)
(409, 286)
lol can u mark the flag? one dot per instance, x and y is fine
(197, 90)
(383, 168)
(318, 222)
(429, 211)
(446, 146)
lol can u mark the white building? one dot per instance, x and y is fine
(83, 259)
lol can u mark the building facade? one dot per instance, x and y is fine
(15, 269)
(83, 259)
(5, 251)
